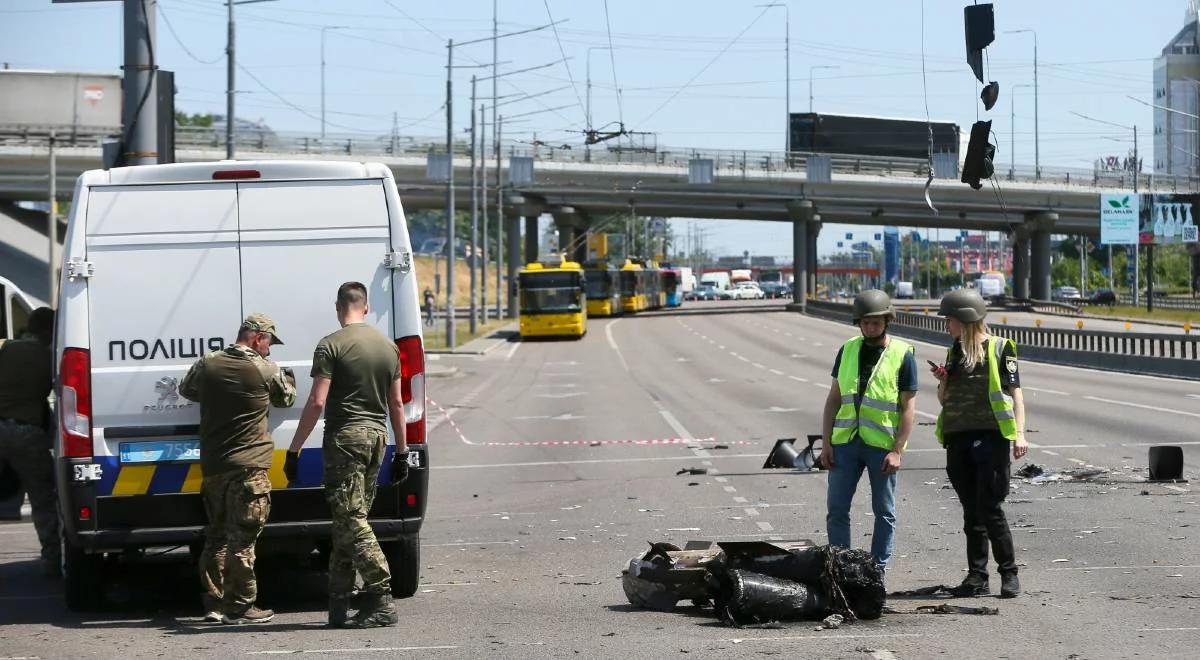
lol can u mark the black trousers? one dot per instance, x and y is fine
(978, 465)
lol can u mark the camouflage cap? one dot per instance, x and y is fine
(260, 322)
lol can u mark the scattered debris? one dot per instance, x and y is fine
(691, 471)
(1060, 561)
(1030, 470)
(1040, 474)
(831, 622)
(945, 608)
(567, 538)
(925, 591)
(720, 446)
(697, 483)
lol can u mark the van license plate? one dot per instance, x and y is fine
(160, 451)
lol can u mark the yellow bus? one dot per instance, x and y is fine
(632, 281)
(553, 303)
(603, 298)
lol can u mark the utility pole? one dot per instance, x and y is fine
(587, 145)
(451, 338)
(1037, 160)
(474, 324)
(230, 87)
(140, 112)
(811, 69)
(483, 311)
(787, 77)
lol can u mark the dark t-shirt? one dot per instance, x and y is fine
(868, 357)
(361, 364)
(26, 376)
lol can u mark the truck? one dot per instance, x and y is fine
(884, 137)
(720, 281)
(741, 275)
(904, 290)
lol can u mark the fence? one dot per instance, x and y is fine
(1163, 302)
(1172, 355)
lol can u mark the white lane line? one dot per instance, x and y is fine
(740, 500)
(825, 385)
(511, 351)
(925, 414)
(720, 480)
(1151, 444)
(591, 461)
(454, 545)
(1077, 461)
(740, 357)
(1164, 629)
(1177, 489)
(371, 649)
(758, 366)
(1051, 453)
(729, 489)
(1192, 396)
(752, 512)
(1045, 391)
(1120, 568)
(802, 380)
(613, 343)
(674, 424)
(721, 347)
(791, 638)
(777, 372)
(1143, 406)
(765, 526)
(883, 654)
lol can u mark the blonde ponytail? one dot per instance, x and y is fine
(974, 344)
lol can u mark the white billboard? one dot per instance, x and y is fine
(1119, 219)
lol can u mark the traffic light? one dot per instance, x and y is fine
(978, 163)
(980, 28)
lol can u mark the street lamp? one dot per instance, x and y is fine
(587, 145)
(810, 81)
(787, 73)
(1037, 166)
(323, 31)
(1012, 129)
(230, 63)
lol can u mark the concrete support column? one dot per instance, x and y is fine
(570, 224)
(801, 212)
(1020, 264)
(512, 260)
(814, 230)
(517, 207)
(1041, 224)
(531, 238)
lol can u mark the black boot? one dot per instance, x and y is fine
(1010, 586)
(377, 611)
(972, 585)
(339, 606)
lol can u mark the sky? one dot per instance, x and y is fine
(692, 73)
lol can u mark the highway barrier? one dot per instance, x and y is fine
(1171, 355)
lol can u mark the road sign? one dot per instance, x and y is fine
(1119, 219)
(879, 237)
(849, 236)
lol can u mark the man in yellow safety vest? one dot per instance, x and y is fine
(867, 419)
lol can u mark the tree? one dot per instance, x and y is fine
(197, 120)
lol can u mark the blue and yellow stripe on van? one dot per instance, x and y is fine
(119, 480)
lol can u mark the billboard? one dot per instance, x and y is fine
(1168, 219)
(38, 101)
(1119, 219)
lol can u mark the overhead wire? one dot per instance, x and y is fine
(706, 66)
(566, 63)
(612, 62)
(175, 36)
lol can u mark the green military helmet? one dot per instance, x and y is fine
(966, 305)
(872, 302)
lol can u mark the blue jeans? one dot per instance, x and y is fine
(848, 462)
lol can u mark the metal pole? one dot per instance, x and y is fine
(450, 329)
(323, 83)
(52, 225)
(787, 74)
(474, 218)
(483, 309)
(1137, 248)
(1037, 157)
(140, 120)
(230, 148)
(501, 226)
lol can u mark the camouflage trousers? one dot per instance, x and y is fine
(237, 503)
(26, 448)
(352, 459)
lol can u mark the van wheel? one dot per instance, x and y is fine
(404, 563)
(83, 579)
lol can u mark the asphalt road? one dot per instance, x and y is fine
(555, 463)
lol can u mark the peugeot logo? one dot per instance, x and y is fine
(167, 387)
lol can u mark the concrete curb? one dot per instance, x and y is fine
(480, 345)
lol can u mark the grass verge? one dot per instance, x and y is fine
(435, 335)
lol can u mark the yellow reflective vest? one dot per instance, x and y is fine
(1002, 403)
(877, 416)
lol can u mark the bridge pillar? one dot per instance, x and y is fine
(518, 207)
(1041, 223)
(814, 230)
(1020, 263)
(570, 225)
(802, 213)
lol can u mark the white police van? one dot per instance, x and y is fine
(160, 265)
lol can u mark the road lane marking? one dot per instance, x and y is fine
(512, 351)
(1077, 461)
(1045, 391)
(1143, 406)
(1118, 568)
(729, 489)
(758, 366)
(739, 500)
(777, 372)
(883, 654)
(1164, 629)
(791, 638)
(925, 414)
(593, 443)
(721, 480)
(675, 425)
(825, 385)
(765, 526)
(456, 544)
(1051, 453)
(802, 380)
(752, 512)
(370, 649)
(612, 342)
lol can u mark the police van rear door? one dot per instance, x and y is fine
(165, 290)
(300, 240)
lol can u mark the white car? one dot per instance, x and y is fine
(161, 264)
(748, 291)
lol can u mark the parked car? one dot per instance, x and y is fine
(1064, 294)
(1102, 297)
(706, 291)
(748, 291)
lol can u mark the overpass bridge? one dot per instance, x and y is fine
(577, 188)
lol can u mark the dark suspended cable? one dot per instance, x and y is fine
(928, 121)
(566, 63)
(612, 63)
(175, 35)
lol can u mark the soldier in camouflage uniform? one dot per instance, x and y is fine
(234, 387)
(356, 373)
(26, 376)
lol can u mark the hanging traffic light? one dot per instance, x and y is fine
(980, 152)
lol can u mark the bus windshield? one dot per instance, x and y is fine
(599, 284)
(629, 282)
(550, 292)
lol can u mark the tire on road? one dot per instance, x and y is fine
(404, 563)
(83, 579)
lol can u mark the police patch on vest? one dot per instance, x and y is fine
(1011, 365)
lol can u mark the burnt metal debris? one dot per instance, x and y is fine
(758, 582)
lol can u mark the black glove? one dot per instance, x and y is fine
(291, 466)
(399, 467)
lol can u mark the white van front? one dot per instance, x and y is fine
(161, 264)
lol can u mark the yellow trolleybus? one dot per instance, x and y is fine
(552, 300)
(603, 298)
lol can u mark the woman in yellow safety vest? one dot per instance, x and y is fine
(982, 421)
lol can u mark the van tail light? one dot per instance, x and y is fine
(75, 403)
(229, 175)
(412, 387)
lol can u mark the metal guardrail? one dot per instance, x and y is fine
(1172, 355)
(1163, 302)
(727, 163)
